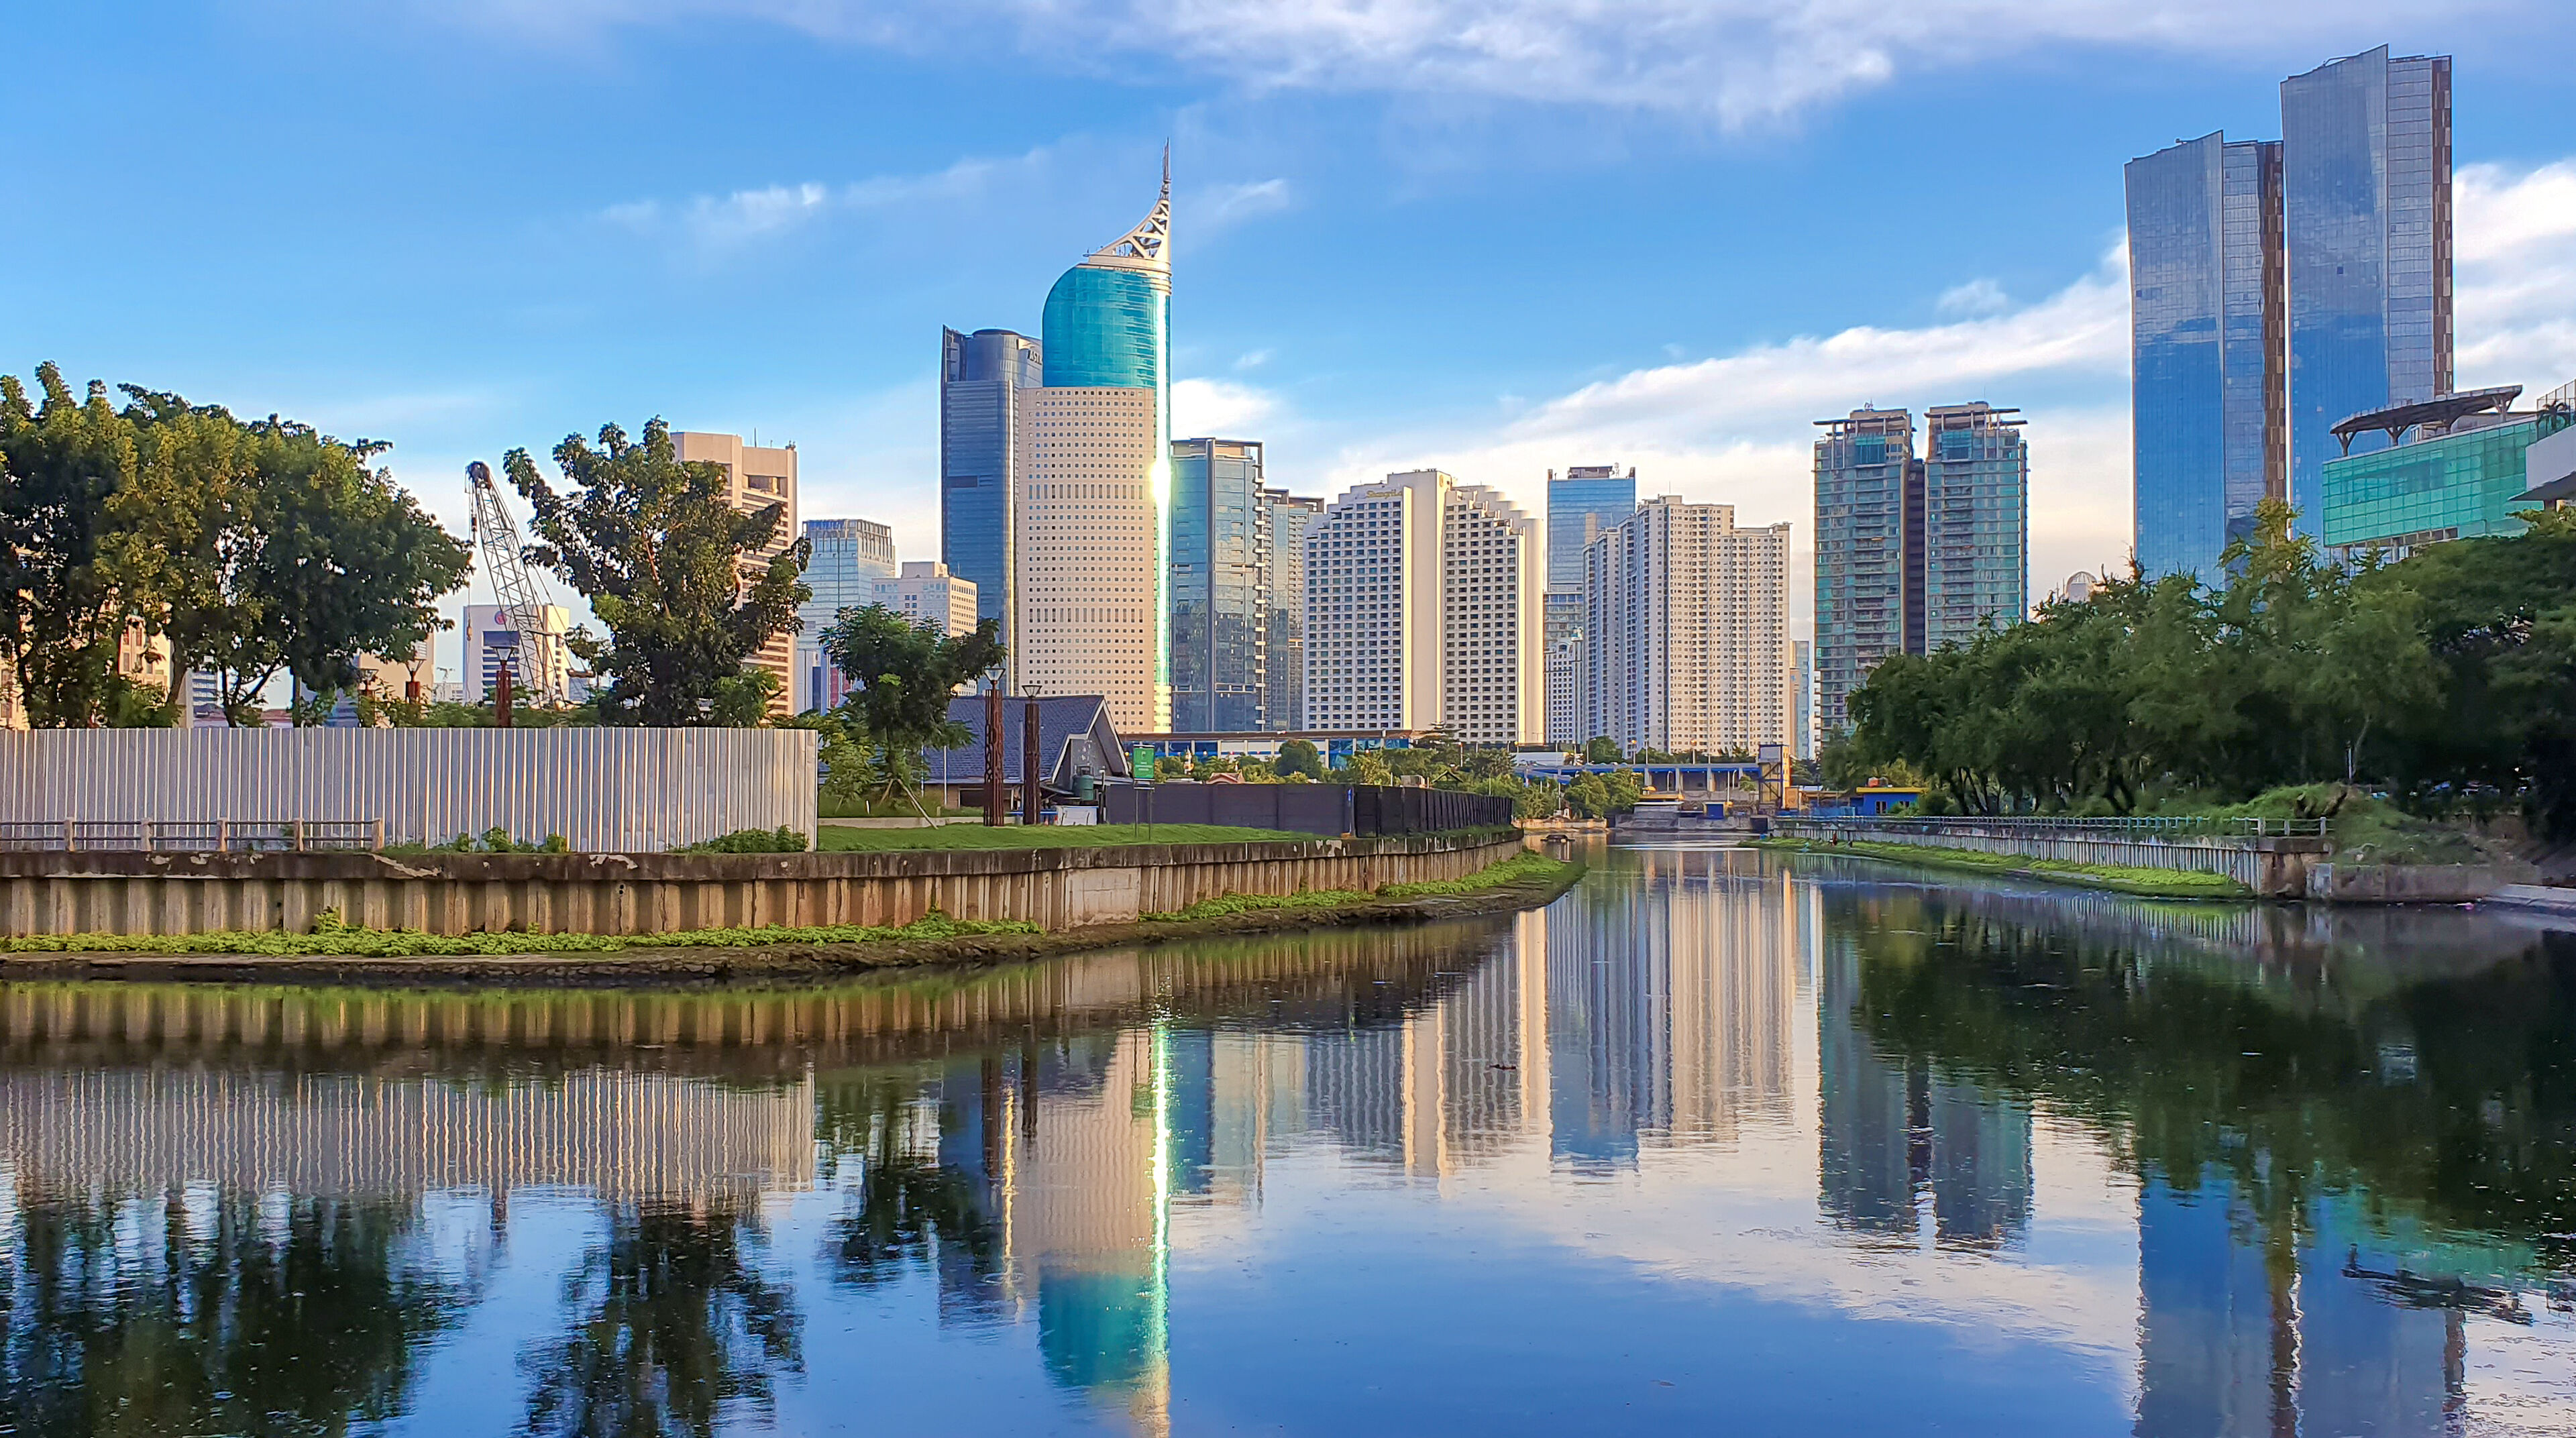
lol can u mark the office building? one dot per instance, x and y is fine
(1089, 612)
(491, 638)
(1581, 503)
(2452, 468)
(984, 378)
(757, 477)
(2366, 212)
(1373, 606)
(931, 597)
(848, 557)
(401, 680)
(1976, 523)
(2208, 362)
(1869, 546)
(1493, 687)
(1290, 516)
(1220, 578)
(1564, 690)
(1686, 649)
(1802, 698)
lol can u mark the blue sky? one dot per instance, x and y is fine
(1492, 235)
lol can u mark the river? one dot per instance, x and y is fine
(1720, 1141)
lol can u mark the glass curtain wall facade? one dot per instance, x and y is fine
(982, 378)
(1869, 546)
(1289, 518)
(2458, 485)
(2208, 322)
(850, 556)
(1586, 500)
(1220, 587)
(1976, 523)
(2366, 208)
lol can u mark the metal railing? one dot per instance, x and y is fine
(2148, 826)
(130, 836)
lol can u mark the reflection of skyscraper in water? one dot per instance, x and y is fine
(1668, 1008)
(1894, 1130)
(2246, 1328)
(2208, 1319)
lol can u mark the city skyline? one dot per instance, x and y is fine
(492, 277)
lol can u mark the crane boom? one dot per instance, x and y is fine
(521, 595)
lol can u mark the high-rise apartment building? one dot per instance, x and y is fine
(1686, 645)
(756, 477)
(2366, 210)
(1869, 546)
(931, 597)
(1290, 516)
(1564, 665)
(2208, 314)
(1089, 526)
(848, 557)
(1493, 685)
(984, 379)
(1581, 503)
(1423, 608)
(1220, 574)
(1976, 522)
(1373, 606)
(1802, 698)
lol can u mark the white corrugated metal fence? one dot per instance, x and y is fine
(603, 790)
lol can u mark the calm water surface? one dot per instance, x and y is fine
(1718, 1143)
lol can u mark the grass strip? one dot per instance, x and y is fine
(841, 839)
(332, 938)
(2123, 878)
(1520, 868)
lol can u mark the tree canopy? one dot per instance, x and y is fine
(249, 549)
(672, 569)
(904, 674)
(2447, 673)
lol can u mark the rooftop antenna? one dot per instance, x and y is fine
(522, 595)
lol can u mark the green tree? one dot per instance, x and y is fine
(64, 598)
(1366, 766)
(1600, 749)
(671, 568)
(1298, 756)
(903, 676)
(275, 549)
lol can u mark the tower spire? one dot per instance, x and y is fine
(1148, 246)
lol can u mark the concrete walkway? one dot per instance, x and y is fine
(2545, 898)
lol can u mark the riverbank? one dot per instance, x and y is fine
(337, 953)
(2149, 883)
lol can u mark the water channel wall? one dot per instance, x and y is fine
(602, 789)
(2273, 868)
(106, 892)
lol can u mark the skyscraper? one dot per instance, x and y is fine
(849, 557)
(1220, 563)
(983, 383)
(1976, 523)
(1493, 686)
(1373, 606)
(2208, 319)
(1089, 518)
(2366, 208)
(1869, 547)
(1290, 517)
(756, 477)
(1586, 500)
(1685, 647)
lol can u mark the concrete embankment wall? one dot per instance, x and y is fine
(138, 893)
(2275, 868)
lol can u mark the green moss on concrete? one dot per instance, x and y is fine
(1522, 868)
(2126, 879)
(331, 937)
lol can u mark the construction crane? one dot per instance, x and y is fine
(523, 597)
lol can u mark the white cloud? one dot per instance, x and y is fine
(1252, 359)
(2515, 302)
(1229, 205)
(1735, 61)
(1219, 407)
(712, 224)
(1976, 297)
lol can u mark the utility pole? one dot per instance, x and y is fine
(993, 755)
(1032, 784)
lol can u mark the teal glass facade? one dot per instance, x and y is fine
(1218, 588)
(1976, 524)
(2450, 486)
(1107, 329)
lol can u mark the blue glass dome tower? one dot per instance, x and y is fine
(1108, 325)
